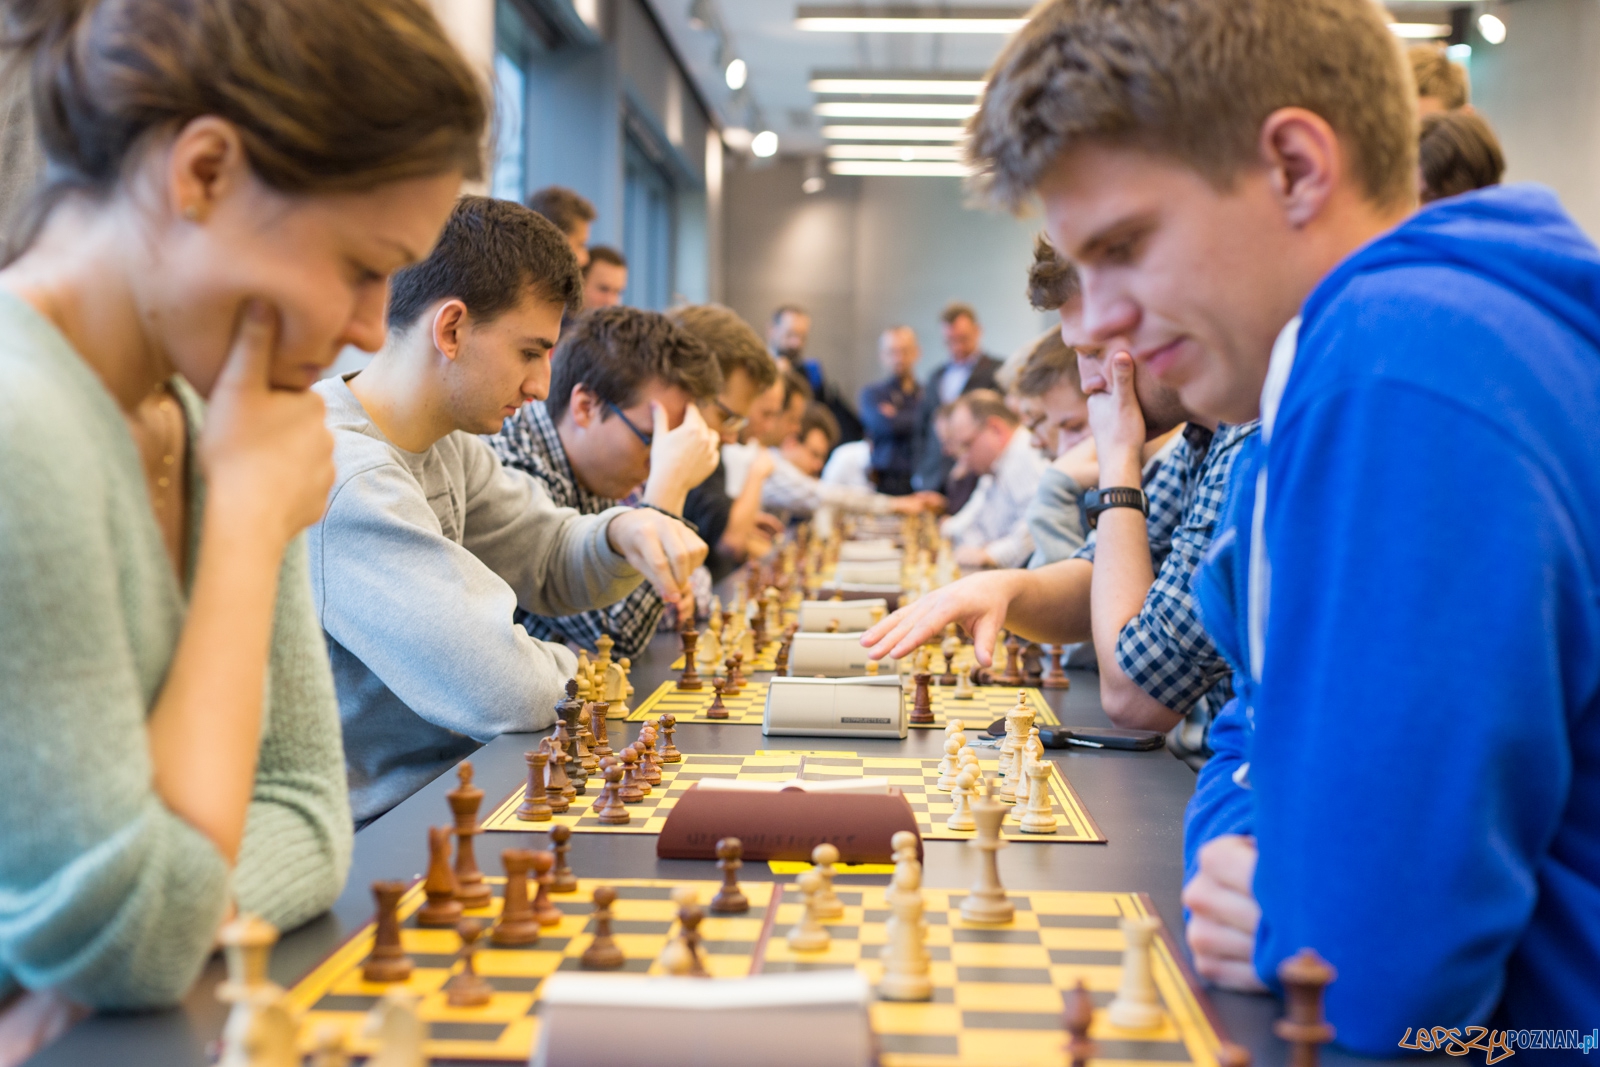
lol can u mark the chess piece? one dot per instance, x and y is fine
(631, 791)
(399, 1030)
(1136, 1006)
(669, 751)
(562, 880)
(1039, 817)
(586, 741)
(1076, 1015)
(608, 808)
(809, 935)
(690, 680)
(904, 955)
(601, 746)
(517, 925)
(331, 1048)
(986, 902)
(730, 899)
(535, 806)
(582, 676)
(1012, 675)
(471, 889)
(442, 908)
(1019, 720)
(717, 710)
(780, 664)
(689, 918)
(961, 796)
(1305, 976)
(964, 689)
(1231, 1055)
(576, 737)
(604, 644)
(833, 626)
(388, 961)
(758, 632)
(828, 904)
(922, 705)
(558, 788)
(1054, 677)
(545, 911)
(903, 850)
(565, 743)
(1032, 668)
(603, 953)
(468, 989)
(649, 769)
(948, 766)
(735, 683)
(259, 1032)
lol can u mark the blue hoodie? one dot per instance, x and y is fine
(1418, 755)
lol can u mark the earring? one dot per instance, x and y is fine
(191, 212)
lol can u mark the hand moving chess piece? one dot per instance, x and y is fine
(717, 710)
(442, 908)
(400, 1030)
(471, 889)
(986, 902)
(468, 989)
(562, 880)
(388, 961)
(603, 953)
(535, 806)
(827, 905)
(517, 925)
(730, 899)
(1136, 1005)
(690, 680)
(1305, 976)
(809, 935)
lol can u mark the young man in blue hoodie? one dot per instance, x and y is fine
(1409, 779)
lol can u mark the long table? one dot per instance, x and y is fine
(1137, 798)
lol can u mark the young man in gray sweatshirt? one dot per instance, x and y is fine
(429, 545)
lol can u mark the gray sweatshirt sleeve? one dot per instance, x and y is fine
(558, 561)
(430, 618)
(1054, 519)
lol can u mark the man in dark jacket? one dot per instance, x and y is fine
(969, 368)
(890, 410)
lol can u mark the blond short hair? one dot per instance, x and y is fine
(1194, 80)
(1438, 77)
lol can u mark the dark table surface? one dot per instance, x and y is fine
(1137, 798)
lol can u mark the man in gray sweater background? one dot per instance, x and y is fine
(429, 545)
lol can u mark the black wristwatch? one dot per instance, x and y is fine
(1118, 496)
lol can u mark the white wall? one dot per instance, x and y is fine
(1541, 92)
(867, 253)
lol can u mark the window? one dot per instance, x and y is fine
(510, 131)
(648, 228)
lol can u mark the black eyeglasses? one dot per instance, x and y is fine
(640, 434)
(732, 421)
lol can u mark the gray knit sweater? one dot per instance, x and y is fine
(104, 892)
(418, 566)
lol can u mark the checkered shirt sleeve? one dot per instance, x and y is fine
(1165, 491)
(630, 622)
(1164, 649)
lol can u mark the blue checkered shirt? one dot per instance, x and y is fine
(528, 442)
(1164, 649)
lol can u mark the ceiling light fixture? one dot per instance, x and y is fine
(736, 74)
(907, 153)
(1420, 31)
(905, 19)
(813, 182)
(1492, 28)
(764, 144)
(898, 86)
(893, 133)
(891, 168)
(850, 109)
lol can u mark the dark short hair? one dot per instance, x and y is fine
(1438, 77)
(795, 383)
(788, 309)
(490, 254)
(1458, 153)
(1049, 364)
(956, 310)
(561, 206)
(985, 404)
(818, 417)
(731, 340)
(615, 352)
(604, 254)
(1052, 281)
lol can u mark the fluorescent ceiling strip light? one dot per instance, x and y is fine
(1419, 31)
(887, 168)
(925, 24)
(905, 152)
(896, 87)
(850, 109)
(893, 133)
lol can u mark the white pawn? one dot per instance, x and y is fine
(400, 1031)
(961, 814)
(1039, 816)
(809, 935)
(949, 767)
(964, 690)
(904, 955)
(827, 904)
(675, 956)
(904, 846)
(1136, 1005)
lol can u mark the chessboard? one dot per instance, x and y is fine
(988, 703)
(997, 989)
(506, 1029)
(915, 778)
(767, 660)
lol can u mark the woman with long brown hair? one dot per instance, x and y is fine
(229, 185)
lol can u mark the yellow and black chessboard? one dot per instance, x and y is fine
(506, 1029)
(767, 660)
(915, 778)
(997, 988)
(746, 708)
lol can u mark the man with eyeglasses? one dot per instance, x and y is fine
(623, 412)
(986, 440)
